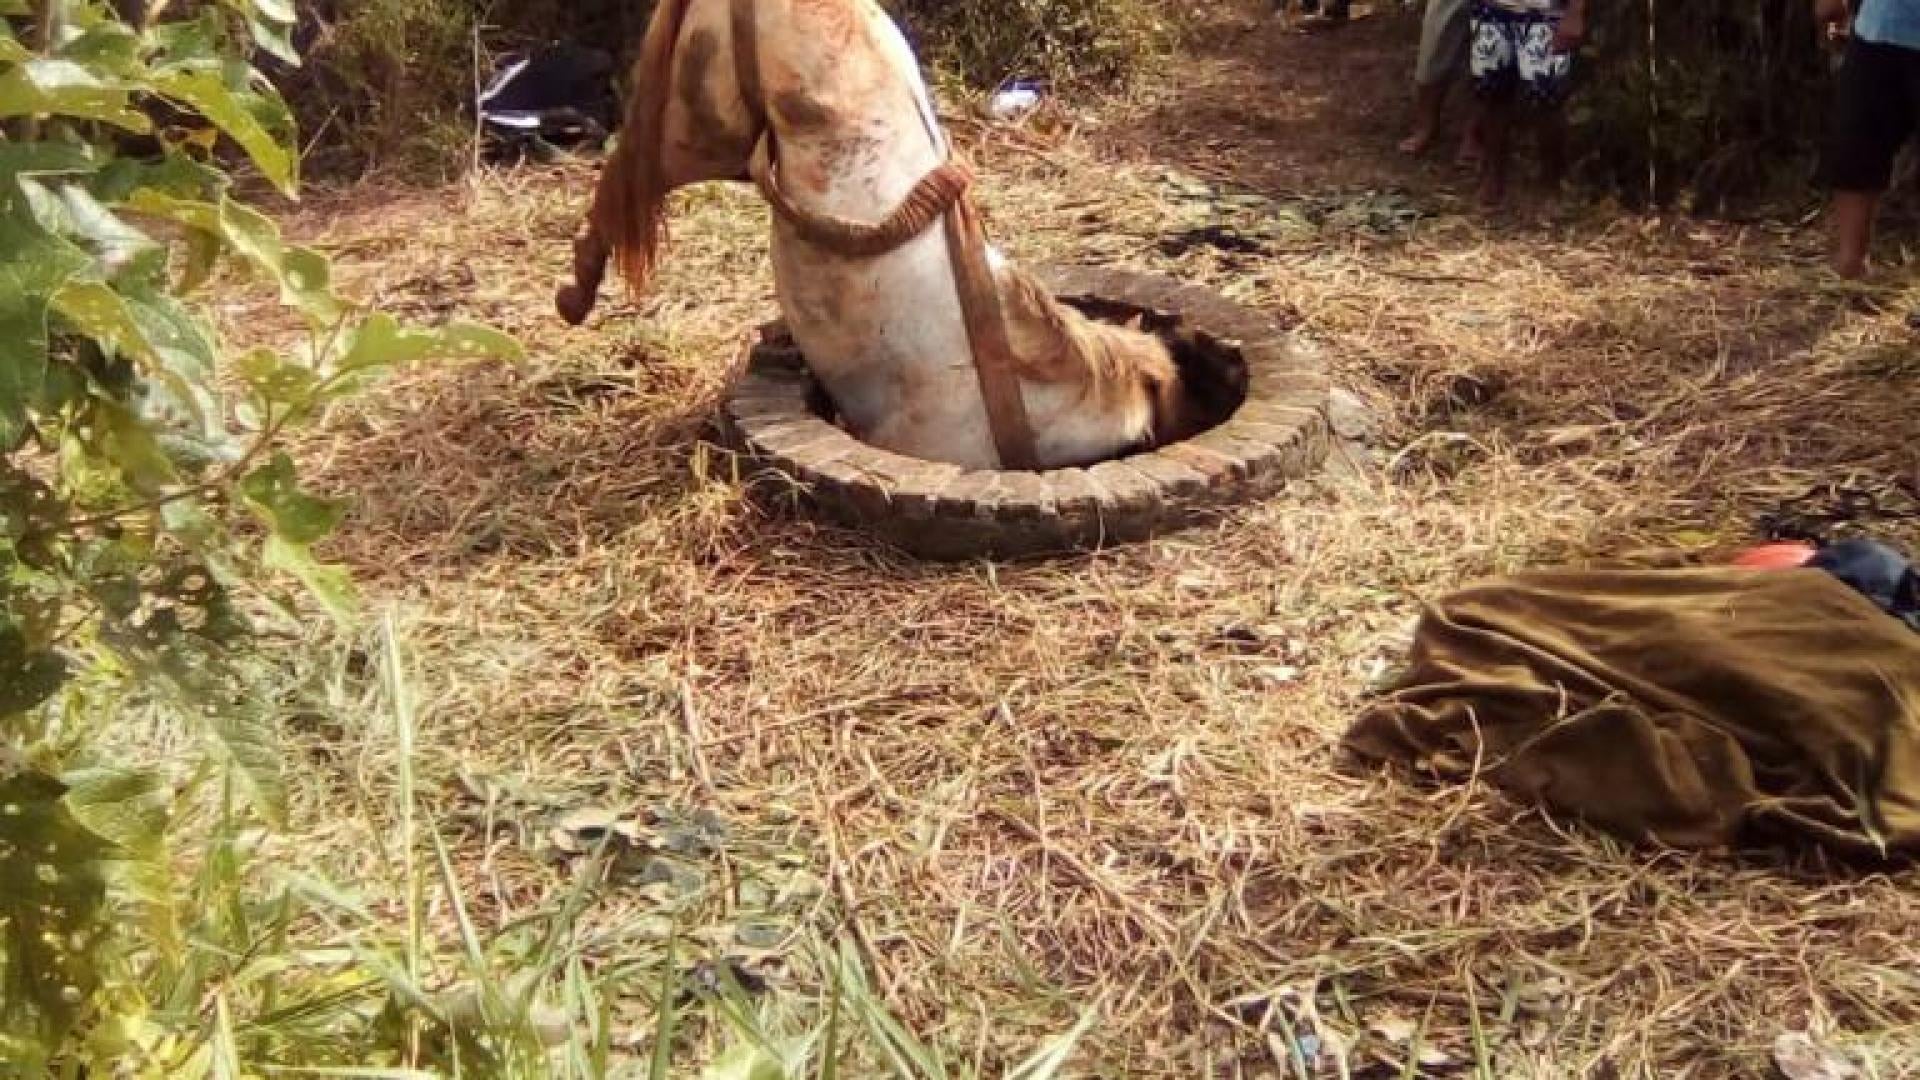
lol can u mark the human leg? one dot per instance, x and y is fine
(1496, 82)
(1496, 149)
(1444, 39)
(1427, 103)
(1850, 221)
(1874, 113)
(1546, 80)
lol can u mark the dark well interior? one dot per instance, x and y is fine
(1213, 371)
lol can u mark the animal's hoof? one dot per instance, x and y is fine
(574, 304)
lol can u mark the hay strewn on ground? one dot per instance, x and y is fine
(1025, 791)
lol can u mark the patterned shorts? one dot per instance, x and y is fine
(1513, 54)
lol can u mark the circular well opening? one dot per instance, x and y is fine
(1258, 422)
(1213, 372)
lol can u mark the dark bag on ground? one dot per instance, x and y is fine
(558, 96)
(1876, 572)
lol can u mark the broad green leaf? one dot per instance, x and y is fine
(112, 241)
(273, 491)
(246, 732)
(65, 386)
(133, 450)
(33, 266)
(330, 585)
(131, 809)
(107, 46)
(200, 260)
(94, 309)
(170, 341)
(44, 87)
(306, 283)
(381, 342)
(302, 275)
(189, 523)
(190, 44)
(275, 36)
(746, 1061)
(279, 11)
(472, 341)
(193, 213)
(271, 23)
(127, 807)
(260, 124)
(44, 206)
(235, 714)
(182, 343)
(277, 379)
(52, 906)
(176, 175)
(44, 159)
(28, 677)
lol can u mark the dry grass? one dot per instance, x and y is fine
(1025, 789)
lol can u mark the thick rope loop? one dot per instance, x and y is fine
(928, 202)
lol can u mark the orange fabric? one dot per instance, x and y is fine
(1775, 557)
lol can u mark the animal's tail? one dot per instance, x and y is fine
(627, 223)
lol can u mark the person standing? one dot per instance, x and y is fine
(1444, 35)
(1876, 110)
(1523, 56)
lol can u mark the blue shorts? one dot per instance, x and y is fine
(1513, 56)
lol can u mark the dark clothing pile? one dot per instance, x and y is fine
(559, 96)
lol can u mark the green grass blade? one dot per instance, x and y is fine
(661, 1067)
(1047, 1062)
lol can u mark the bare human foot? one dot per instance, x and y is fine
(1428, 100)
(1852, 224)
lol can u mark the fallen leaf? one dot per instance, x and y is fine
(1403, 1034)
(580, 831)
(1799, 1057)
(1282, 675)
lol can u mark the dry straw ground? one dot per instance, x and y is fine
(1022, 791)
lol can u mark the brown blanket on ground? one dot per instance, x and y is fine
(1693, 708)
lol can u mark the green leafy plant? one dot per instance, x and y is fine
(389, 84)
(158, 555)
(149, 521)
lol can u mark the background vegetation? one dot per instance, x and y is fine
(154, 537)
(1704, 101)
(389, 83)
